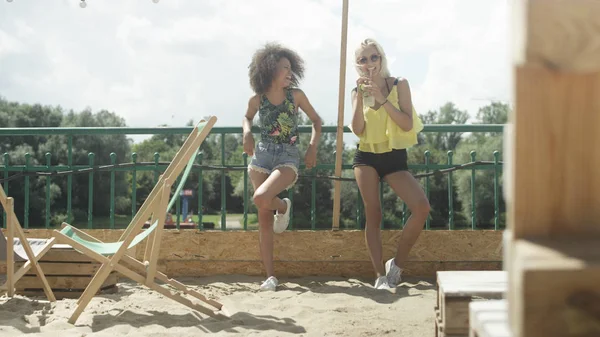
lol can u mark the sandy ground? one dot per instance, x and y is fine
(306, 306)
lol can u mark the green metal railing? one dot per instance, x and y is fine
(157, 167)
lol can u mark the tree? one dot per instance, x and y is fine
(15, 115)
(447, 114)
(495, 113)
(438, 144)
(102, 146)
(168, 145)
(484, 144)
(229, 148)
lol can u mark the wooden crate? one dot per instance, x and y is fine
(455, 290)
(489, 319)
(553, 287)
(68, 272)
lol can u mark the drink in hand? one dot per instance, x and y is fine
(368, 99)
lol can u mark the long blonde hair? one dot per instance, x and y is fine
(385, 72)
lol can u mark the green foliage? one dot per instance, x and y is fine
(218, 150)
(13, 114)
(439, 144)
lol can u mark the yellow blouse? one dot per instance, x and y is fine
(382, 134)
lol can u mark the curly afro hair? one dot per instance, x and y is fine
(263, 67)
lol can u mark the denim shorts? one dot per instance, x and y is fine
(270, 156)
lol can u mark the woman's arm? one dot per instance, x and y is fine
(250, 113)
(358, 119)
(403, 116)
(304, 104)
(247, 138)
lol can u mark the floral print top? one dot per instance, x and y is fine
(278, 123)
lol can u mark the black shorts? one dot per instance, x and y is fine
(383, 163)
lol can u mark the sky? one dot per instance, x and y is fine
(178, 60)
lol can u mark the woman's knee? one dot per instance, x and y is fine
(262, 200)
(421, 208)
(374, 217)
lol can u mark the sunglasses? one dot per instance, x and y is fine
(374, 58)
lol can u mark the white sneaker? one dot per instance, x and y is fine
(282, 220)
(270, 284)
(382, 283)
(393, 273)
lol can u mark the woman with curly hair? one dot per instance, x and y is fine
(386, 123)
(274, 74)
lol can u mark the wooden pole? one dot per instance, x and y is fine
(554, 202)
(339, 148)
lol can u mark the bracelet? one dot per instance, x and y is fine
(384, 102)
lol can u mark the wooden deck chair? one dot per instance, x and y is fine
(21, 249)
(113, 256)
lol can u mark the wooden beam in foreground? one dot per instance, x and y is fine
(554, 181)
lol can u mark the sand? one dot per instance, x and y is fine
(308, 306)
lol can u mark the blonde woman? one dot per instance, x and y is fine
(386, 124)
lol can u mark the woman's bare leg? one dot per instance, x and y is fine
(409, 190)
(266, 189)
(367, 180)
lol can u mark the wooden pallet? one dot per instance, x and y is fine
(489, 319)
(68, 272)
(456, 289)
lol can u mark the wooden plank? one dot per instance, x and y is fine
(557, 110)
(554, 163)
(507, 255)
(441, 331)
(316, 268)
(329, 246)
(346, 245)
(26, 266)
(61, 268)
(339, 253)
(140, 268)
(65, 254)
(555, 183)
(33, 260)
(456, 289)
(155, 244)
(557, 34)
(489, 291)
(176, 268)
(455, 315)
(548, 282)
(63, 282)
(176, 296)
(489, 284)
(10, 253)
(337, 186)
(457, 277)
(112, 289)
(489, 319)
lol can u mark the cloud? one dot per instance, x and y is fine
(170, 62)
(474, 69)
(8, 44)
